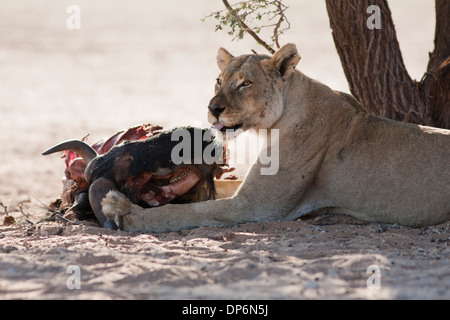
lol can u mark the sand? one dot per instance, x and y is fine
(155, 62)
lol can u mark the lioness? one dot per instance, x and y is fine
(334, 156)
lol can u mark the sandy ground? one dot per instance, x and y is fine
(155, 62)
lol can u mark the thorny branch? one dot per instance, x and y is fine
(251, 17)
(246, 28)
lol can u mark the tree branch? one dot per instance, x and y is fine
(246, 28)
(277, 27)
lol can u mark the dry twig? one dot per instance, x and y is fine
(251, 17)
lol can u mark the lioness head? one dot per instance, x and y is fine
(249, 90)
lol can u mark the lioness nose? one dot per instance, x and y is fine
(216, 110)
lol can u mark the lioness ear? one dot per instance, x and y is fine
(285, 60)
(223, 59)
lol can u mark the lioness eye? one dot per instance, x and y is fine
(219, 82)
(245, 84)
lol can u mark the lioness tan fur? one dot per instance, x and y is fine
(333, 156)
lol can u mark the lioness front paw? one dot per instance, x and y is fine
(116, 207)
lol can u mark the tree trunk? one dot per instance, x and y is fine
(435, 85)
(374, 67)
